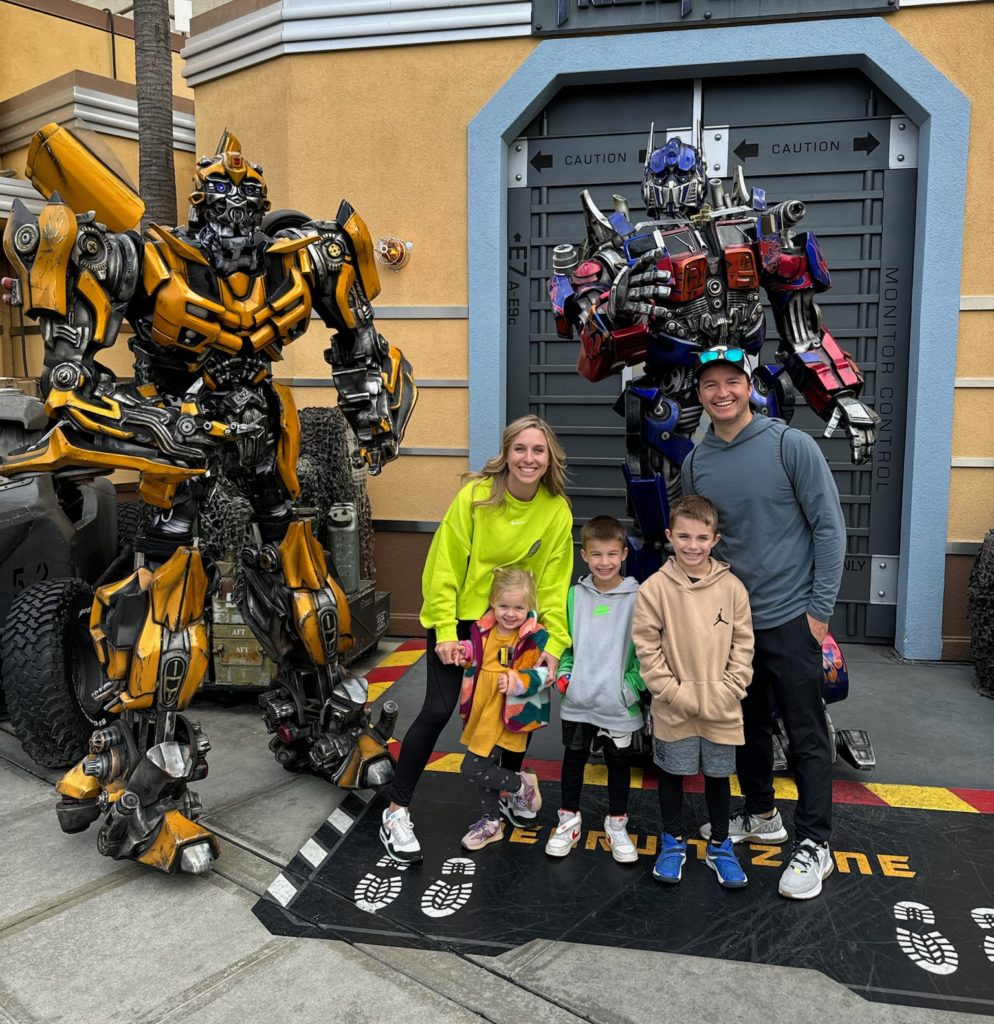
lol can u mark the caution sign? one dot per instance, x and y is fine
(800, 148)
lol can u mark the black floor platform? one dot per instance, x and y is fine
(907, 916)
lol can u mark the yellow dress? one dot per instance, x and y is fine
(485, 728)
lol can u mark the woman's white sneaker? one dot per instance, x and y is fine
(397, 835)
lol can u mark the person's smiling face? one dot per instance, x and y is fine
(511, 610)
(724, 392)
(527, 462)
(692, 542)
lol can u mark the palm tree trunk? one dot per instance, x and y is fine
(154, 77)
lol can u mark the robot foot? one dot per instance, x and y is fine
(76, 815)
(855, 747)
(169, 842)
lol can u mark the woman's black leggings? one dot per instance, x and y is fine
(441, 697)
(717, 795)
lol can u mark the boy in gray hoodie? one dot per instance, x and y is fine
(600, 684)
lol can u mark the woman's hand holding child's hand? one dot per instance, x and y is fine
(449, 652)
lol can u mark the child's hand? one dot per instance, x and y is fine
(503, 682)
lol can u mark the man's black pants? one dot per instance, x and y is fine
(788, 674)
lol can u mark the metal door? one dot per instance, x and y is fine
(830, 139)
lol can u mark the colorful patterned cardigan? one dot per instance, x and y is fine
(526, 703)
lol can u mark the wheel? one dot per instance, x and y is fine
(50, 668)
(128, 521)
(981, 616)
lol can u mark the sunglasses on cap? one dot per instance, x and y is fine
(722, 354)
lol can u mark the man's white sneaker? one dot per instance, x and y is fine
(622, 848)
(566, 836)
(397, 835)
(750, 827)
(809, 864)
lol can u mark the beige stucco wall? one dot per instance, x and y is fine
(39, 47)
(959, 40)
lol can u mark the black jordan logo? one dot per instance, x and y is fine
(719, 619)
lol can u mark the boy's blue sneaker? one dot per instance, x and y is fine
(724, 863)
(669, 864)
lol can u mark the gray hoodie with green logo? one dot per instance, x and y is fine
(604, 682)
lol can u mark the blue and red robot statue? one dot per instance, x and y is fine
(657, 293)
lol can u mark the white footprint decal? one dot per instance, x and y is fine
(983, 918)
(444, 897)
(908, 910)
(389, 862)
(374, 892)
(931, 951)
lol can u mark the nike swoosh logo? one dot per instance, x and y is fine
(516, 522)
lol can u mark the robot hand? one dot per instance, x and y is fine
(377, 401)
(637, 290)
(859, 421)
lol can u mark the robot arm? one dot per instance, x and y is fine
(375, 383)
(77, 279)
(793, 272)
(607, 304)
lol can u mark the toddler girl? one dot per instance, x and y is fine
(504, 696)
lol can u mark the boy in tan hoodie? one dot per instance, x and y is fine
(693, 636)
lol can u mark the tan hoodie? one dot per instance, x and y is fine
(694, 643)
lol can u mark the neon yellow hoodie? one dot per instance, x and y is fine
(468, 545)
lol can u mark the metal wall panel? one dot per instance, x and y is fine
(855, 173)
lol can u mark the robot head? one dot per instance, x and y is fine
(229, 193)
(673, 181)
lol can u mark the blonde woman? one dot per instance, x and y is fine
(513, 512)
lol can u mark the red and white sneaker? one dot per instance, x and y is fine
(567, 834)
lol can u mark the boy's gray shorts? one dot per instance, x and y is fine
(692, 755)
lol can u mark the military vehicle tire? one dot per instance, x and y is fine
(980, 613)
(49, 670)
(128, 522)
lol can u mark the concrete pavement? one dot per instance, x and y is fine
(85, 939)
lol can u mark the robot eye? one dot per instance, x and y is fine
(217, 186)
(671, 154)
(251, 189)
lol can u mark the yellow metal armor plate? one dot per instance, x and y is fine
(58, 161)
(242, 313)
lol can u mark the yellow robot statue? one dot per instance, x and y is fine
(212, 306)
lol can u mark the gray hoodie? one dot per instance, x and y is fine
(779, 517)
(604, 678)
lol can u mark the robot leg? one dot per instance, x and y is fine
(149, 633)
(317, 714)
(660, 419)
